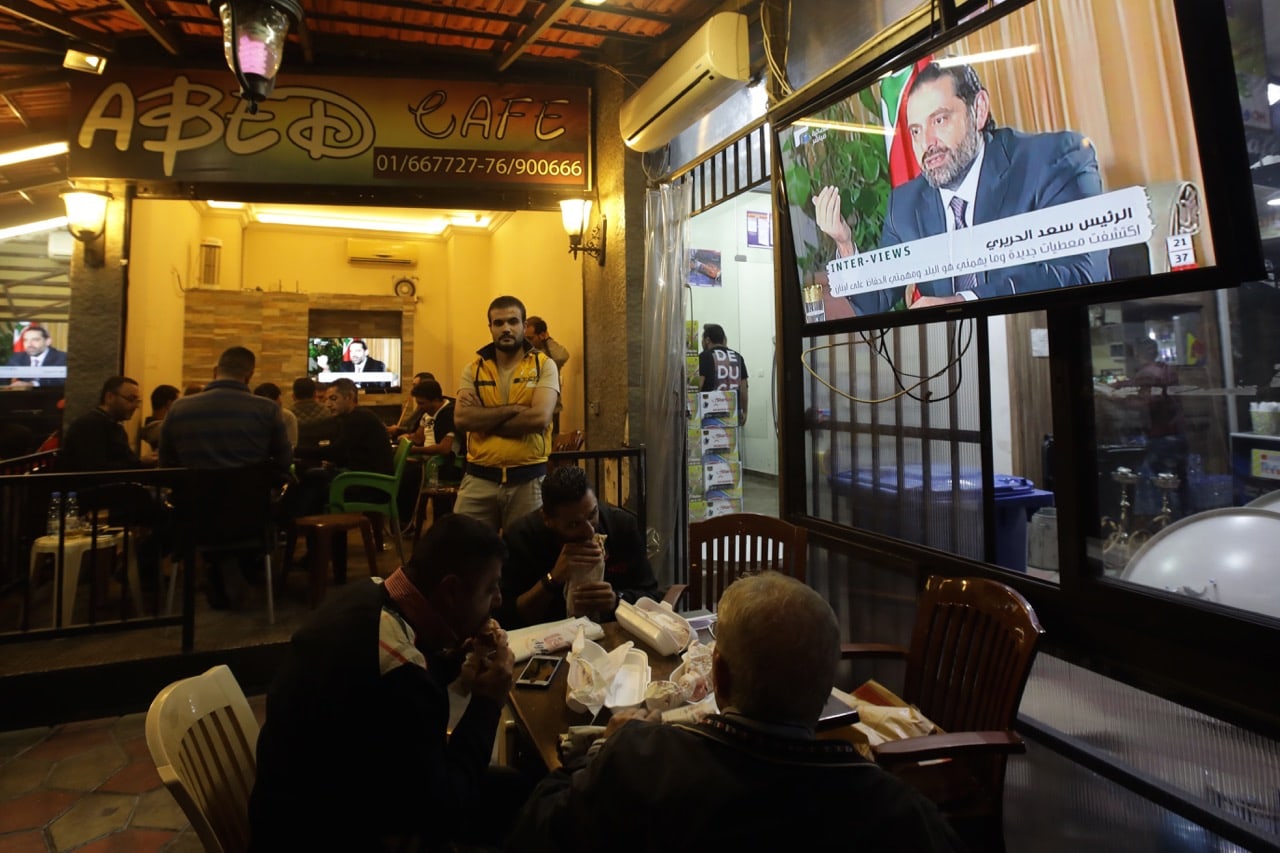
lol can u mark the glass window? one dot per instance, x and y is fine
(894, 435)
(1187, 428)
(34, 325)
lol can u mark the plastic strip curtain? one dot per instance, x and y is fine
(666, 225)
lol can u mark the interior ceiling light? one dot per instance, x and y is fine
(33, 227)
(34, 152)
(431, 227)
(987, 56)
(253, 37)
(847, 126)
(225, 205)
(79, 60)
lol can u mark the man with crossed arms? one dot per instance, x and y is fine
(505, 403)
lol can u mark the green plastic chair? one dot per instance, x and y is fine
(388, 484)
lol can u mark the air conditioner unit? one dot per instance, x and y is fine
(209, 271)
(61, 245)
(696, 78)
(363, 250)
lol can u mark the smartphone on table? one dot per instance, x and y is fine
(539, 671)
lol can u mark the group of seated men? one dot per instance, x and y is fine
(224, 425)
(357, 751)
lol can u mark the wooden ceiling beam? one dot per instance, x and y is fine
(628, 12)
(308, 45)
(60, 24)
(399, 25)
(599, 33)
(15, 109)
(35, 81)
(30, 50)
(153, 25)
(32, 185)
(553, 11)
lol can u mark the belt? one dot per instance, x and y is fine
(511, 476)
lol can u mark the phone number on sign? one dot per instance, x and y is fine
(409, 162)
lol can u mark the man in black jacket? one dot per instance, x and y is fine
(96, 441)
(356, 753)
(750, 778)
(551, 545)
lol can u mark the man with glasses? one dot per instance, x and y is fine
(96, 441)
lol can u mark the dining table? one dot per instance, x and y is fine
(542, 715)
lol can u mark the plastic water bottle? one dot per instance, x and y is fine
(55, 514)
(75, 524)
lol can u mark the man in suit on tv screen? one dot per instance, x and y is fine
(360, 362)
(37, 352)
(972, 172)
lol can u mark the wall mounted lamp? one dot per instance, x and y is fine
(253, 37)
(575, 213)
(80, 60)
(87, 221)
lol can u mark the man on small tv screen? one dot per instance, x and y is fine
(972, 172)
(358, 361)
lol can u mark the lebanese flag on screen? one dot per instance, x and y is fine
(903, 165)
(346, 349)
(17, 335)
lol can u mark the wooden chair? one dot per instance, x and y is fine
(971, 652)
(568, 441)
(203, 739)
(565, 442)
(724, 548)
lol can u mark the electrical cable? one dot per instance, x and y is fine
(779, 73)
(879, 350)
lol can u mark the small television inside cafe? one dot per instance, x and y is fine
(372, 363)
(1045, 151)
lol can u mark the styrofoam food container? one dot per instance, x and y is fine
(628, 686)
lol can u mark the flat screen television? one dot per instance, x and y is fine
(38, 358)
(1045, 151)
(372, 363)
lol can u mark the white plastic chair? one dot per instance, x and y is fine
(203, 739)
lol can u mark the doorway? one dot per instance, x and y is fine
(731, 283)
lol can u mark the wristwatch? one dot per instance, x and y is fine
(550, 585)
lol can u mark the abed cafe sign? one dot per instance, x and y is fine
(189, 126)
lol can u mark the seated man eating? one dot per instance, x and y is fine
(356, 752)
(556, 554)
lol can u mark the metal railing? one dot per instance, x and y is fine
(121, 536)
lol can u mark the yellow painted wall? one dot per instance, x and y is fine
(532, 262)
(457, 276)
(165, 237)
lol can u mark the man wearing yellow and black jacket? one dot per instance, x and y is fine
(505, 402)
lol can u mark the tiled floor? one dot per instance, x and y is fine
(89, 787)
